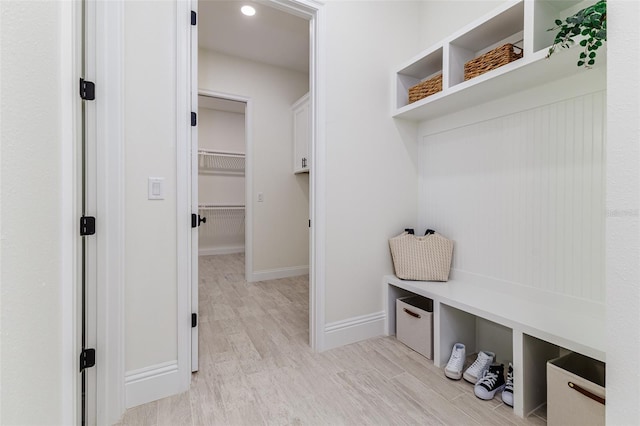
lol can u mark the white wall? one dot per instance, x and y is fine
(223, 232)
(150, 150)
(280, 227)
(220, 130)
(371, 165)
(519, 185)
(623, 204)
(442, 18)
(38, 361)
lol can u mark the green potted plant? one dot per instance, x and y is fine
(590, 23)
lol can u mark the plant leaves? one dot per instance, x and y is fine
(591, 23)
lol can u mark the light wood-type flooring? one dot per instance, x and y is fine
(256, 368)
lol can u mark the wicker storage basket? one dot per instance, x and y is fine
(426, 88)
(491, 60)
(425, 258)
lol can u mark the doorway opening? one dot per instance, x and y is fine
(274, 80)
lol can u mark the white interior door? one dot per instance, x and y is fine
(194, 188)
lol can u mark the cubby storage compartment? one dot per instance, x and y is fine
(575, 391)
(525, 328)
(427, 67)
(477, 334)
(545, 14)
(414, 324)
(536, 354)
(505, 27)
(523, 23)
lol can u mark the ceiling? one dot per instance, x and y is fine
(270, 36)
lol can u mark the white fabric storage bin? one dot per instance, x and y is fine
(575, 391)
(414, 324)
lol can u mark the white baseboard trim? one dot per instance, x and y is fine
(213, 251)
(151, 383)
(353, 330)
(274, 274)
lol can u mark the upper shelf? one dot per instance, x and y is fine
(523, 23)
(230, 162)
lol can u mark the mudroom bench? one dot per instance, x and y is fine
(520, 324)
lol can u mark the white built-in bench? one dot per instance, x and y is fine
(520, 324)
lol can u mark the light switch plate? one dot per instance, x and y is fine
(156, 188)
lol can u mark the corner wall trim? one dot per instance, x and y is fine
(354, 329)
(274, 274)
(151, 383)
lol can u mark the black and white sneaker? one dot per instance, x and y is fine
(507, 393)
(491, 382)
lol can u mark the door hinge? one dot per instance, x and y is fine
(87, 90)
(87, 225)
(87, 358)
(194, 320)
(193, 18)
(194, 119)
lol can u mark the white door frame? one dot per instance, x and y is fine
(70, 241)
(107, 38)
(313, 10)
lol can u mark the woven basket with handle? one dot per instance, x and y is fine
(491, 60)
(425, 88)
(425, 258)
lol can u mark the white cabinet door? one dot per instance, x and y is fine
(301, 135)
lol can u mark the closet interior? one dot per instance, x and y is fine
(221, 175)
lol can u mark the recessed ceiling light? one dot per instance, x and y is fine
(248, 10)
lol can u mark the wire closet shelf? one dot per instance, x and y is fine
(223, 161)
(223, 219)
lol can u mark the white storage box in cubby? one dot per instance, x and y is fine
(414, 324)
(575, 391)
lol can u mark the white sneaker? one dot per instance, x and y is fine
(479, 366)
(507, 394)
(453, 370)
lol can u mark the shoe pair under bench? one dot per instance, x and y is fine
(486, 376)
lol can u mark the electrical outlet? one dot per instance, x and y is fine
(260, 197)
